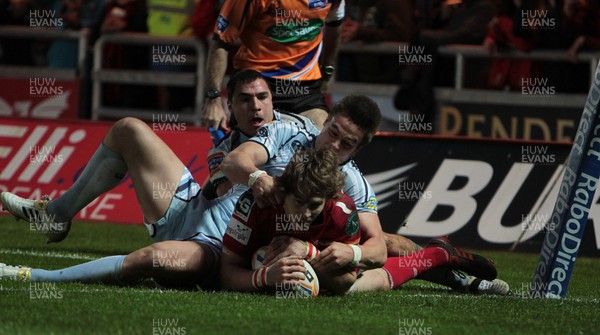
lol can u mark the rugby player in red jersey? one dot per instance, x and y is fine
(314, 209)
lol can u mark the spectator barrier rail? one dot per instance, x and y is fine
(18, 96)
(22, 32)
(195, 79)
(458, 93)
(101, 75)
(462, 51)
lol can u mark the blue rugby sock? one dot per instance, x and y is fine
(103, 172)
(104, 270)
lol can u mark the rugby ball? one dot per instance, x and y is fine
(258, 258)
(309, 287)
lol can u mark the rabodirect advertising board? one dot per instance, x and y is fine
(482, 193)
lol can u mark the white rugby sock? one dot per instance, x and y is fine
(104, 171)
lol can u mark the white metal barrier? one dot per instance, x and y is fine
(460, 52)
(383, 93)
(463, 51)
(101, 75)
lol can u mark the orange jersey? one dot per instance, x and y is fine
(280, 38)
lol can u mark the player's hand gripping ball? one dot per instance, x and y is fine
(308, 287)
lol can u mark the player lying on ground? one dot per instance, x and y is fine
(313, 209)
(351, 124)
(187, 227)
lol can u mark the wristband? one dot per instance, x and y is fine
(254, 176)
(259, 277)
(357, 254)
(311, 251)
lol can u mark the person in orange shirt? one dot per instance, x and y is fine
(292, 43)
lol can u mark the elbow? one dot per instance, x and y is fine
(379, 256)
(227, 163)
(376, 261)
(338, 284)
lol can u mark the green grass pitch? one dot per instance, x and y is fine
(417, 308)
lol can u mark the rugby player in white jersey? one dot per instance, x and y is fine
(187, 226)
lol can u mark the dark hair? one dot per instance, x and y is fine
(312, 173)
(237, 79)
(362, 111)
(241, 77)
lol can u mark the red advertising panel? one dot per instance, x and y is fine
(39, 97)
(46, 157)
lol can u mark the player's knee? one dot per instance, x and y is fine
(126, 129)
(138, 261)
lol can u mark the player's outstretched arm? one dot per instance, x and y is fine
(239, 164)
(372, 253)
(244, 160)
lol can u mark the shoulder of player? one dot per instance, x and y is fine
(227, 143)
(344, 215)
(281, 126)
(246, 210)
(292, 117)
(244, 206)
(352, 171)
(344, 205)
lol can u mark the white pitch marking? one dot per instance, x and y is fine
(66, 255)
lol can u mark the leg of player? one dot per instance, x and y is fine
(151, 164)
(130, 145)
(103, 270)
(176, 264)
(402, 269)
(399, 270)
(398, 245)
(179, 264)
(317, 115)
(479, 266)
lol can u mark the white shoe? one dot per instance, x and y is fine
(17, 273)
(34, 212)
(495, 287)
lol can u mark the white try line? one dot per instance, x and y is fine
(152, 291)
(67, 255)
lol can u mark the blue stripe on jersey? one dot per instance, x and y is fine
(294, 68)
(188, 188)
